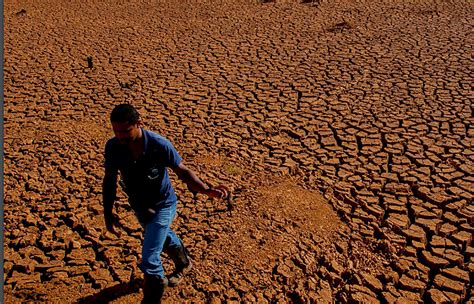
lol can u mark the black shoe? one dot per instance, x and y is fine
(182, 263)
(177, 276)
(153, 289)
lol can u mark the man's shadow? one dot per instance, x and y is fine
(112, 293)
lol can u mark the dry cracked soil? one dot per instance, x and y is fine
(344, 128)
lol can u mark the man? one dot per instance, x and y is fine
(142, 158)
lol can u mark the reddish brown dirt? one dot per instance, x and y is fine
(343, 127)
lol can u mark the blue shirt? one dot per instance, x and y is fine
(145, 180)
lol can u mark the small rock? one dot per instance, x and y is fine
(90, 63)
(389, 298)
(25, 265)
(438, 241)
(78, 270)
(433, 261)
(462, 237)
(456, 274)
(398, 189)
(372, 282)
(362, 289)
(453, 256)
(447, 229)
(402, 265)
(334, 266)
(469, 251)
(21, 12)
(100, 274)
(341, 247)
(284, 270)
(410, 284)
(22, 278)
(390, 277)
(438, 297)
(415, 234)
(398, 221)
(362, 298)
(454, 297)
(215, 300)
(447, 284)
(409, 297)
(45, 267)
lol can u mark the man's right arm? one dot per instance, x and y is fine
(109, 191)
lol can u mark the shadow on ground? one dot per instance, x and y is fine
(112, 293)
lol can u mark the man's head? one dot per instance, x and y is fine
(126, 123)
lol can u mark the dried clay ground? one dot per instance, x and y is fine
(344, 128)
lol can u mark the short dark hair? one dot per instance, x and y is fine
(125, 113)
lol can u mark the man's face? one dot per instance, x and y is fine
(126, 133)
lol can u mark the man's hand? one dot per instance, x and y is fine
(220, 191)
(111, 221)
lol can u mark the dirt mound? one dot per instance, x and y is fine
(272, 220)
(285, 200)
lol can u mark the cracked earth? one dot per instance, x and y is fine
(344, 128)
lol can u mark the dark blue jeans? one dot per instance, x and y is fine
(158, 238)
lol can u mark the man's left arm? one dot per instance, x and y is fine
(195, 185)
